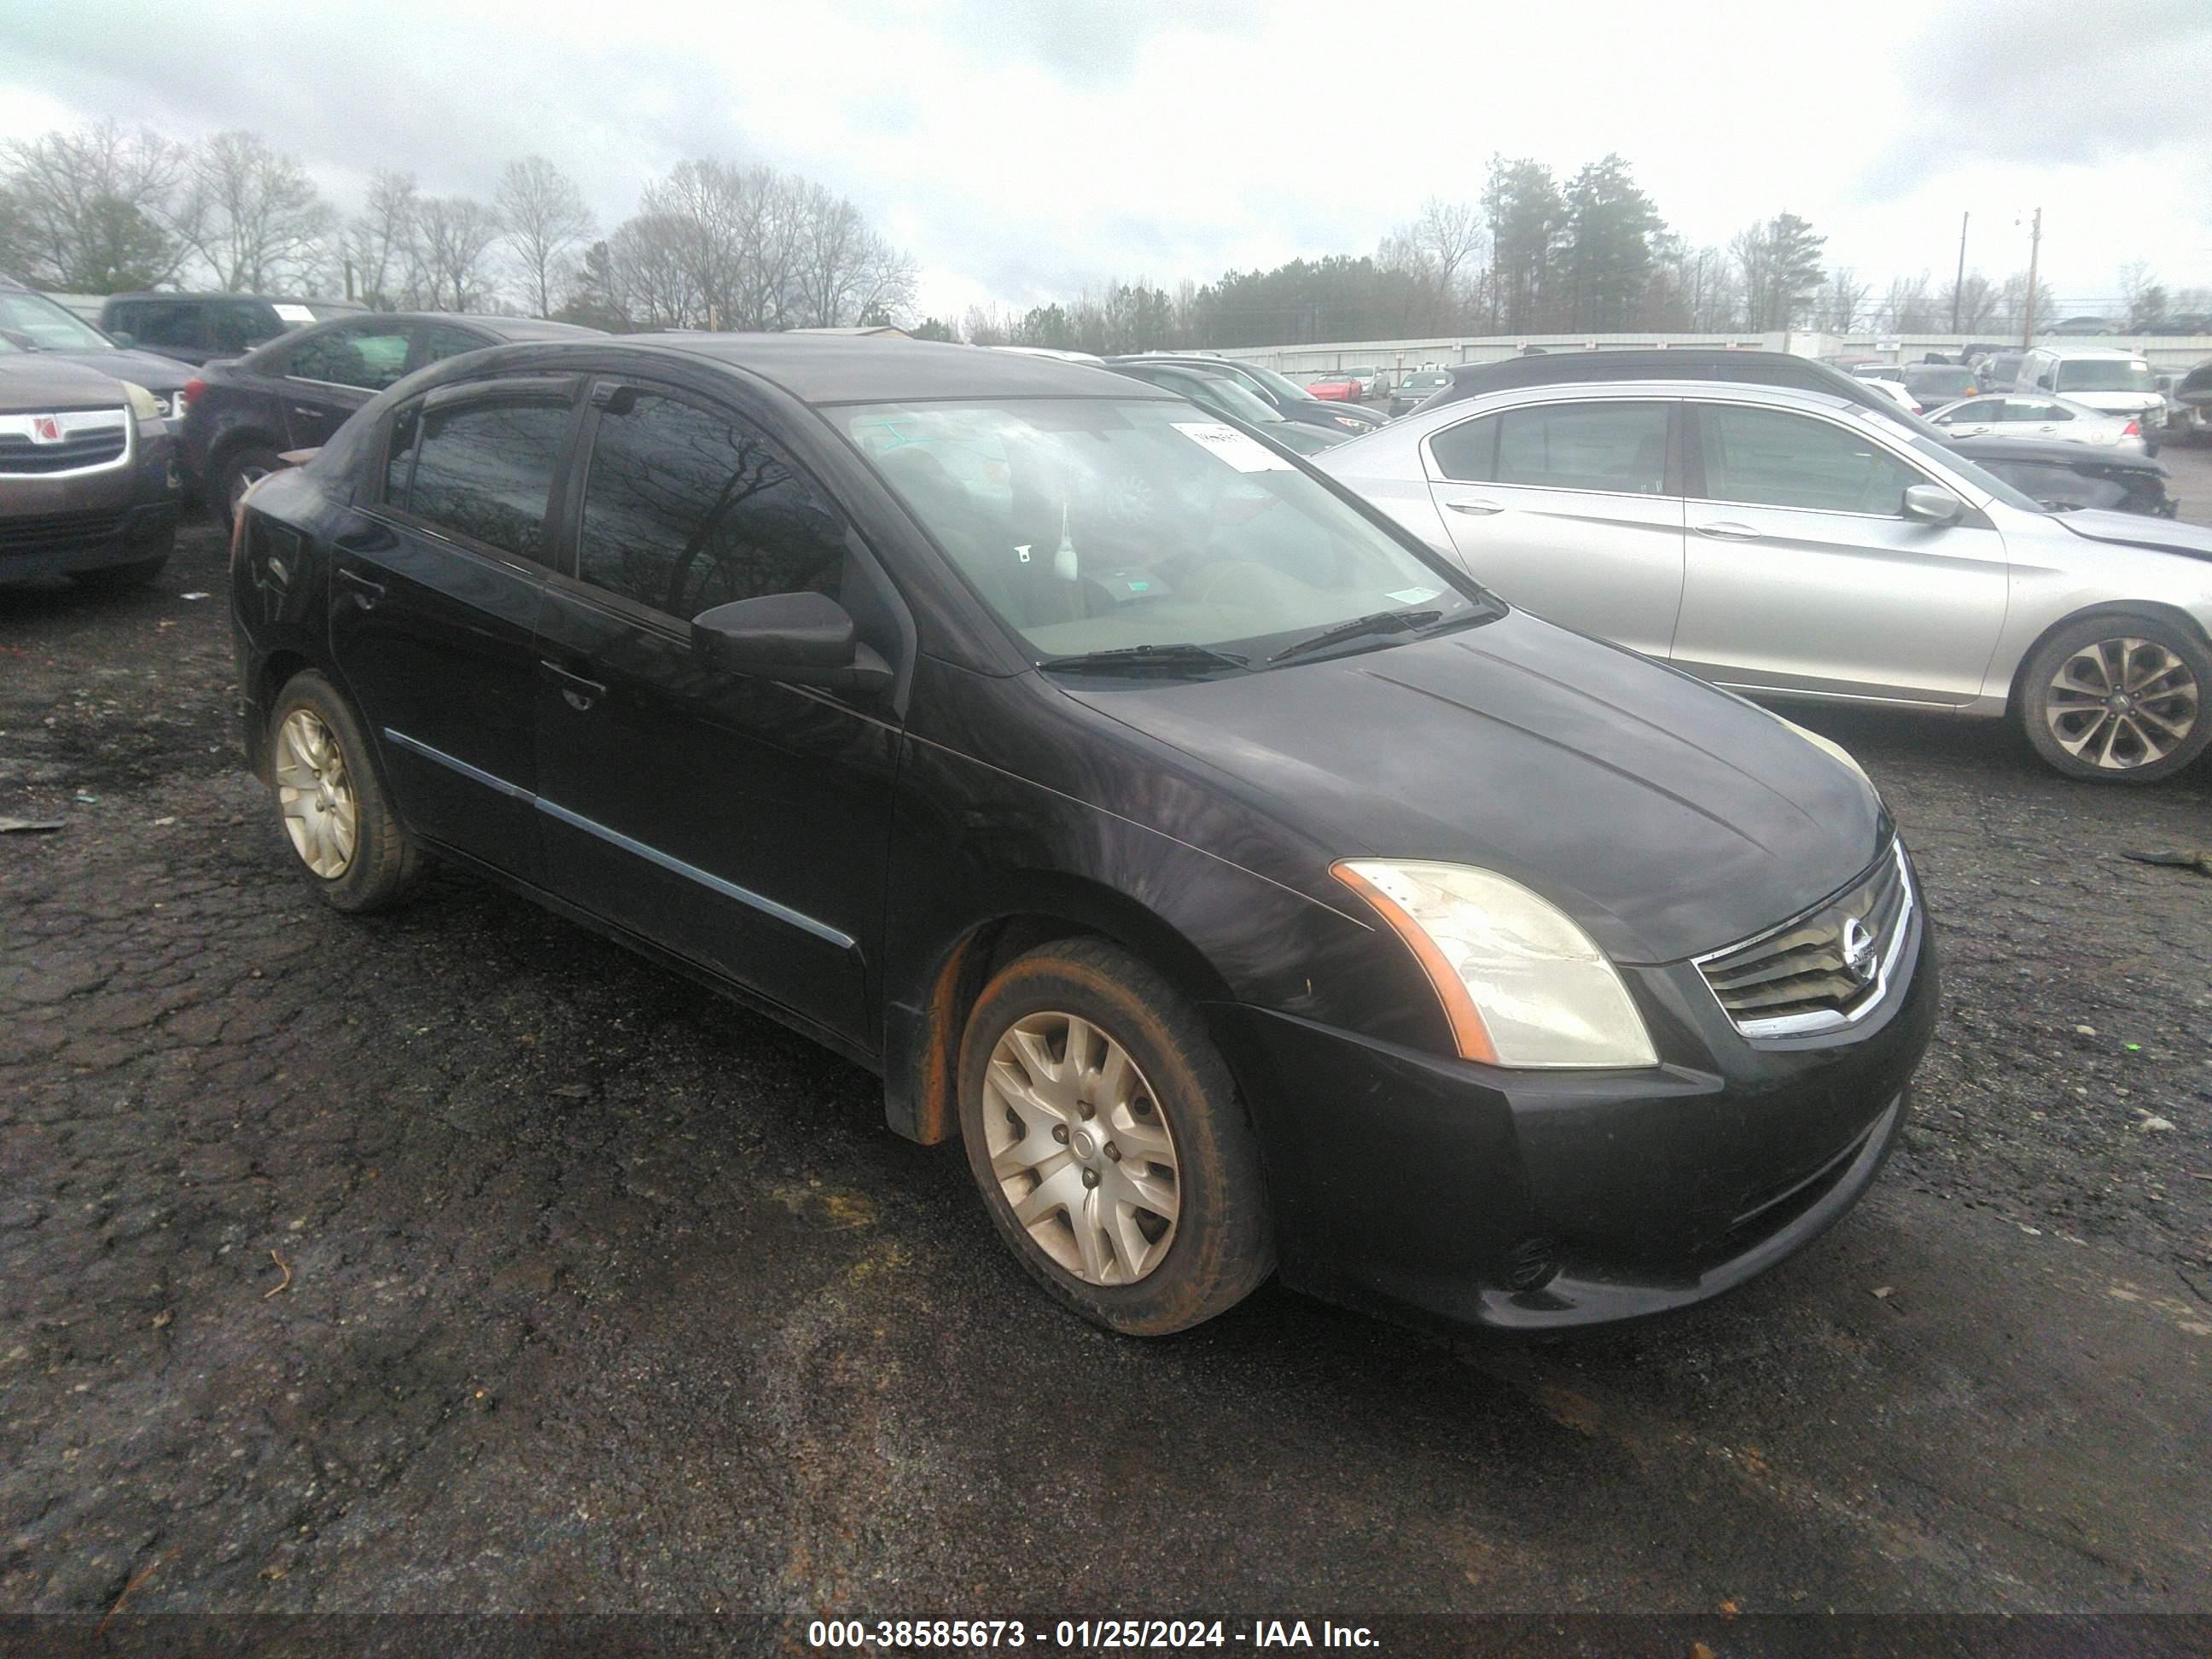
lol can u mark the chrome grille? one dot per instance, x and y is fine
(40, 446)
(1824, 970)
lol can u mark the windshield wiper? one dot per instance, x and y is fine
(1141, 657)
(1381, 622)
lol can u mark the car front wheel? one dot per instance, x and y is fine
(1101, 1127)
(351, 848)
(240, 472)
(2118, 699)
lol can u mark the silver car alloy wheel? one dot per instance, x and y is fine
(2120, 703)
(315, 794)
(1081, 1148)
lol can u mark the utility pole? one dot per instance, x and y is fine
(2034, 249)
(1959, 282)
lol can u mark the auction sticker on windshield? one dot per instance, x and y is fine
(1243, 453)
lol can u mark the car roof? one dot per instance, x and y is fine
(828, 368)
(2120, 353)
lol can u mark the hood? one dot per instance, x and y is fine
(37, 382)
(161, 374)
(1667, 817)
(2136, 530)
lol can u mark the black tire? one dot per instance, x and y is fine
(384, 860)
(1221, 1247)
(118, 578)
(2178, 669)
(238, 469)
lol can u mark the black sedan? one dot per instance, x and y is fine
(1241, 883)
(241, 415)
(2062, 475)
(1285, 396)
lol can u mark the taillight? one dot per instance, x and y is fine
(193, 387)
(2133, 429)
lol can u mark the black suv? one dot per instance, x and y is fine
(32, 322)
(296, 391)
(194, 327)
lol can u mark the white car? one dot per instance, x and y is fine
(2040, 415)
(2116, 382)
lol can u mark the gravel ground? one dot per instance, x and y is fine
(455, 1260)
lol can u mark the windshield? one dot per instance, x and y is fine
(1231, 399)
(1980, 478)
(1280, 384)
(1427, 381)
(51, 328)
(1090, 525)
(2103, 374)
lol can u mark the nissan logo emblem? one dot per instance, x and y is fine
(1858, 950)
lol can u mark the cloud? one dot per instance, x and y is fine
(1022, 148)
(2048, 83)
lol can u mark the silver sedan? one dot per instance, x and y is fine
(2041, 416)
(1790, 545)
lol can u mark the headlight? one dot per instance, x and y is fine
(143, 403)
(1829, 747)
(1347, 420)
(1521, 984)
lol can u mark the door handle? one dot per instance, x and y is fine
(1476, 509)
(1728, 530)
(579, 693)
(306, 413)
(366, 591)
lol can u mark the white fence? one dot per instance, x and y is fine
(1397, 357)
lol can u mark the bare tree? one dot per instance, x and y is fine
(1910, 306)
(251, 213)
(651, 271)
(1842, 302)
(379, 243)
(545, 218)
(1972, 300)
(93, 208)
(454, 235)
(2012, 305)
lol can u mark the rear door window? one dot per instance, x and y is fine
(484, 471)
(1619, 447)
(442, 340)
(371, 355)
(161, 322)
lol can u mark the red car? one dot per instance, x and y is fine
(1336, 388)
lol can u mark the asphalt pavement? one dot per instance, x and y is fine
(455, 1260)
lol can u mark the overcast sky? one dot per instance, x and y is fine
(1022, 150)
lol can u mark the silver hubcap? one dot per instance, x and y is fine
(315, 794)
(2122, 703)
(1081, 1149)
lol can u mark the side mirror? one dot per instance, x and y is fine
(1932, 504)
(800, 639)
(18, 339)
(124, 339)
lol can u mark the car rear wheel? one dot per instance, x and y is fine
(2117, 698)
(240, 470)
(350, 845)
(1101, 1128)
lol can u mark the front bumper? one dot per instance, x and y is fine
(1408, 1180)
(54, 526)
